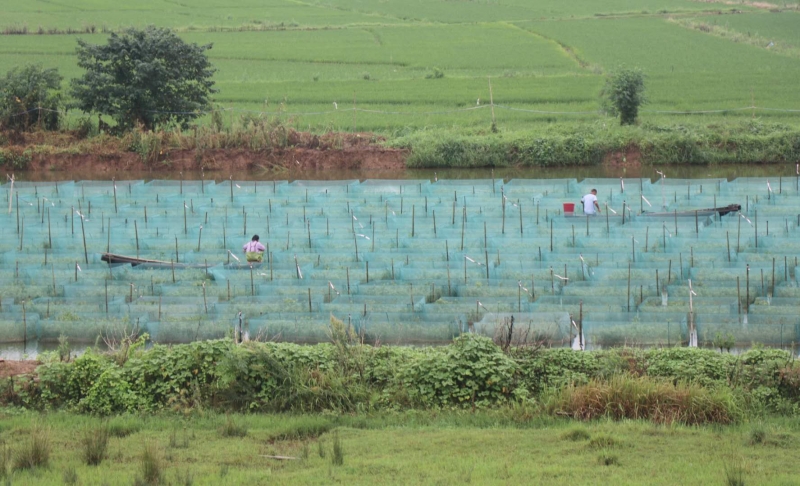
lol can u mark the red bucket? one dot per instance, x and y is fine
(569, 207)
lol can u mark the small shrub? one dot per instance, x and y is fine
(85, 128)
(232, 429)
(14, 159)
(179, 443)
(758, 435)
(576, 435)
(603, 442)
(5, 459)
(607, 459)
(320, 450)
(436, 73)
(64, 350)
(34, 452)
(95, 445)
(307, 429)
(150, 466)
(623, 94)
(365, 76)
(70, 476)
(122, 427)
(337, 457)
(734, 472)
(724, 341)
(184, 479)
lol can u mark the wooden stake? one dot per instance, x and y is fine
(491, 104)
(629, 287)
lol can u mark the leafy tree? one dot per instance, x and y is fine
(624, 93)
(148, 77)
(30, 97)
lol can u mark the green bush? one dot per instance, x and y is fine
(472, 370)
(555, 368)
(347, 377)
(30, 98)
(703, 366)
(14, 159)
(565, 144)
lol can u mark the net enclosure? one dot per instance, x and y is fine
(406, 262)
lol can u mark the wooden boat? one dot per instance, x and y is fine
(113, 258)
(722, 211)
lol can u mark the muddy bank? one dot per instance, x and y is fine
(14, 368)
(372, 158)
(171, 153)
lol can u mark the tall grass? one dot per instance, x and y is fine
(733, 470)
(628, 397)
(232, 428)
(150, 466)
(34, 451)
(123, 426)
(95, 445)
(337, 454)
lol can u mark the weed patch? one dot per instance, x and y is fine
(232, 428)
(95, 445)
(733, 470)
(70, 476)
(757, 435)
(608, 459)
(122, 426)
(310, 428)
(576, 434)
(603, 442)
(337, 454)
(34, 452)
(150, 466)
(627, 397)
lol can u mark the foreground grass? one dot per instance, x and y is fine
(411, 448)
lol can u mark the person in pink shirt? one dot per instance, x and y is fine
(253, 250)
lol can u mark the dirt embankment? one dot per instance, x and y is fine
(631, 157)
(302, 151)
(14, 368)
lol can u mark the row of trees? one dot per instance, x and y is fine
(151, 78)
(144, 77)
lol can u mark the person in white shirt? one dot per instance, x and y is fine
(590, 206)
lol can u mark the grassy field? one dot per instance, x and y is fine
(408, 448)
(308, 61)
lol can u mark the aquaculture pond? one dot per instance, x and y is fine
(404, 261)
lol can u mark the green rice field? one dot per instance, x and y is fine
(312, 63)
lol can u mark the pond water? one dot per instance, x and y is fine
(413, 257)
